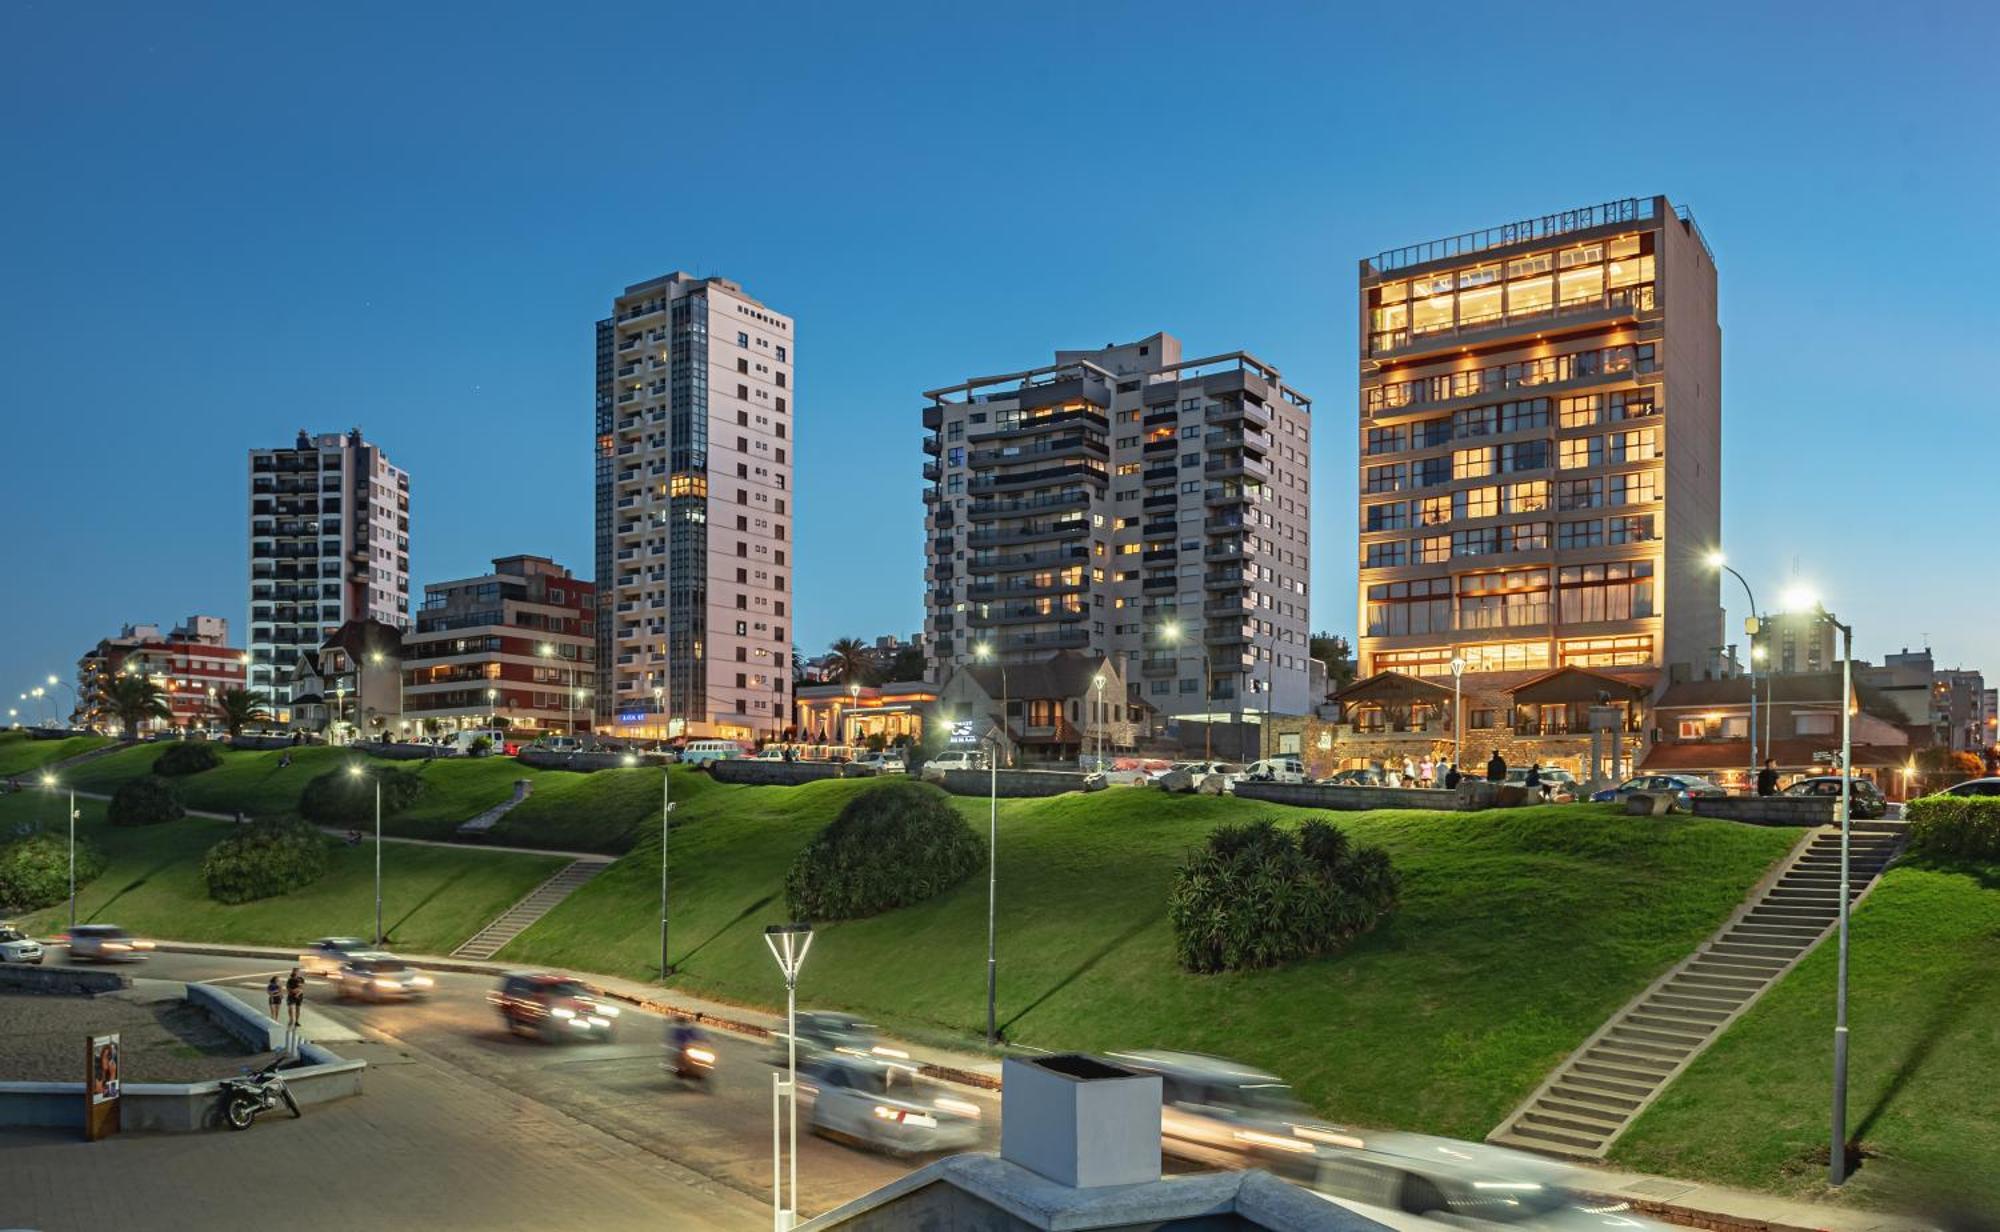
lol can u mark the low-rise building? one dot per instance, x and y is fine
(515, 647)
(193, 664)
(351, 686)
(1704, 726)
(1056, 709)
(848, 716)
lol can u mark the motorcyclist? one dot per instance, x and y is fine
(682, 1036)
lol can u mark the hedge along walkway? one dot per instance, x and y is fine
(434, 895)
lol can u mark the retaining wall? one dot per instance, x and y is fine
(1768, 810)
(389, 751)
(1348, 799)
(759, 773)
(1011, 783)
(62, 981)
(582, 763)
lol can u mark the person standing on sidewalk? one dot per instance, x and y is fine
(276, 992)
(295, 997)
(1496, 768)
(1767, 778)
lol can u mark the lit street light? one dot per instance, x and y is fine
(1170, 632)
(1457, 713)
(1799, 600)
(983, 652)
(788, 943)
(1751, 626)
(1098, 680)
(357, 771)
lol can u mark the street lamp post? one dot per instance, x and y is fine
(992, 886)
(1171, 632)
(1458, 712)
(1752, 627)
(492, 708)
(1098, 680)
(49, 782)
(357, 771)
(1837, 1156)
(853, 707)
(788, 944)
(666, 813)
(983, 651)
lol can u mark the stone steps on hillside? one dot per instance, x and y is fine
(1597, 1093)
(516, 920)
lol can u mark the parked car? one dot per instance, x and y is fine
(1683, 788)
(1558, 784)
(558, 744)
(1275, 770)
(1416, 1181)
(703, 752)
(954, 759)
(882, 763)
(325, 956)
(1974, 787)
(1199, 770)
(886, 1107)
(105, 943)
(554, 1007)
(379, 977)
(18, 947)
(1865, 800)
(823, 1033)
(1359, 776)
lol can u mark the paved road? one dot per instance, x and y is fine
(617, 1091)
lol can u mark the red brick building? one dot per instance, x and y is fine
(517, 644)
(192, 664)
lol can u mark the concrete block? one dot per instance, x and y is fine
(1079, 1121)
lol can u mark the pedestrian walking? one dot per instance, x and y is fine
(1452, 778)
(1534, 780)
(1496, 768)
(276, 992)
(1767, 778)
(295, 997)
(1409, 772)
(1426, 772)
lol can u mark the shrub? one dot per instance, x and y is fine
(1955, 827)
(145, 802)
(34, 871)
(1258, 896)
(263, 860)
(481, 746)
(187, 757)
(338, 798)
(892, 845)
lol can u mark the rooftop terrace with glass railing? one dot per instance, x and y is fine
(1532, 230)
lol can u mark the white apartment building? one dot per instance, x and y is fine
(329, 543)
(693, 442)
(1129, 503)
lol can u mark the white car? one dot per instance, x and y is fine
(1275, 770)
(882, 763)
(1415, 1183)
(18, 947)
(955, 759)
(885, 1106)
(327, 955)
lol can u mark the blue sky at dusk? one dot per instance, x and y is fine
(223, 224)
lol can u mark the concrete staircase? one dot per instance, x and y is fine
(484, 822)
(516, 919)
(1603, 1087)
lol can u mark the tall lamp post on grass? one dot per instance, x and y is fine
(1170, 632)
(1751, 626)
(985, 652)
(1457, 713)
(788, 944)
(992, 885)
(1803, 601)
(49, 782)
(357, 771)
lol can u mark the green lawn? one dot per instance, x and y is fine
(594, 812)
(433, 897)
(21, 753)
(1519, 933)
(1924, 1016)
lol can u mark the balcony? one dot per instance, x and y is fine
(1223, 579)
(1071, 473)
(1023, 613)
(1055, 558)
(1157, 583)
(1068, 639)
(933, 420)
(1223, 550)
(1253, 415)
(1616, 304)
(1004, 535)
(1074, 445)
(1154, 667)
(1223, 525)
(1164, 444)
(1226, 495)
(985, 591)
(1089, 417)
(1153, 556)
(1234, 632)
(1160, 500)
(986, 510)
(1159, 418)
(932, 445)
(1237, 464)
(932, 472)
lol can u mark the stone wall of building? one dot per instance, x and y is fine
(1769, 810)
(1347, 799)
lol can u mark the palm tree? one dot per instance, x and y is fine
(852, 662)
(798, 666)
(238, 708)
(134, 699)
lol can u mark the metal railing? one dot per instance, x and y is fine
(1527, 230)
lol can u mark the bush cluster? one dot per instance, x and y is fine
(1955, 827)
(146, 801)
(892, 845)
(187, 757)
(264, 859)
(338, 798)
(34, 871)
(1257, 896)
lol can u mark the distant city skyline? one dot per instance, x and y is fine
(217, 247)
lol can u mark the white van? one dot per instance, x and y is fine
(462, 742)
(702, 752)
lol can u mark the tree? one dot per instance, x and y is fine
(133, 700)
(798, 666)
(851, 662)
(1334, 650)
(1938, 767)
(908, 664)
(239, 708)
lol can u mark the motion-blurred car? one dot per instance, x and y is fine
(1559, 784)
(325, 956)
(823, 1033)
(1682, 787)
(18, 947)
(553, 1007)
(886, 1106)
(379, 977)
(1415, 1181)
(1218, 1111)
(1359, 776)
(105, 943)
(1974, 787)
(1865, 800)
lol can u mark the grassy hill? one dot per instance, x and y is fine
(1519, 932)
(22, 754)
(1924, 1012)
(433, 897)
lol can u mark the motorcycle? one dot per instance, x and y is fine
(691, 1060)
(245, 1098)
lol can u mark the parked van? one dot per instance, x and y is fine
(1276, 770)
(702, 752)
(462, 742)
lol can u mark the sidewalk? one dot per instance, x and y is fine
(1677, 1201)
